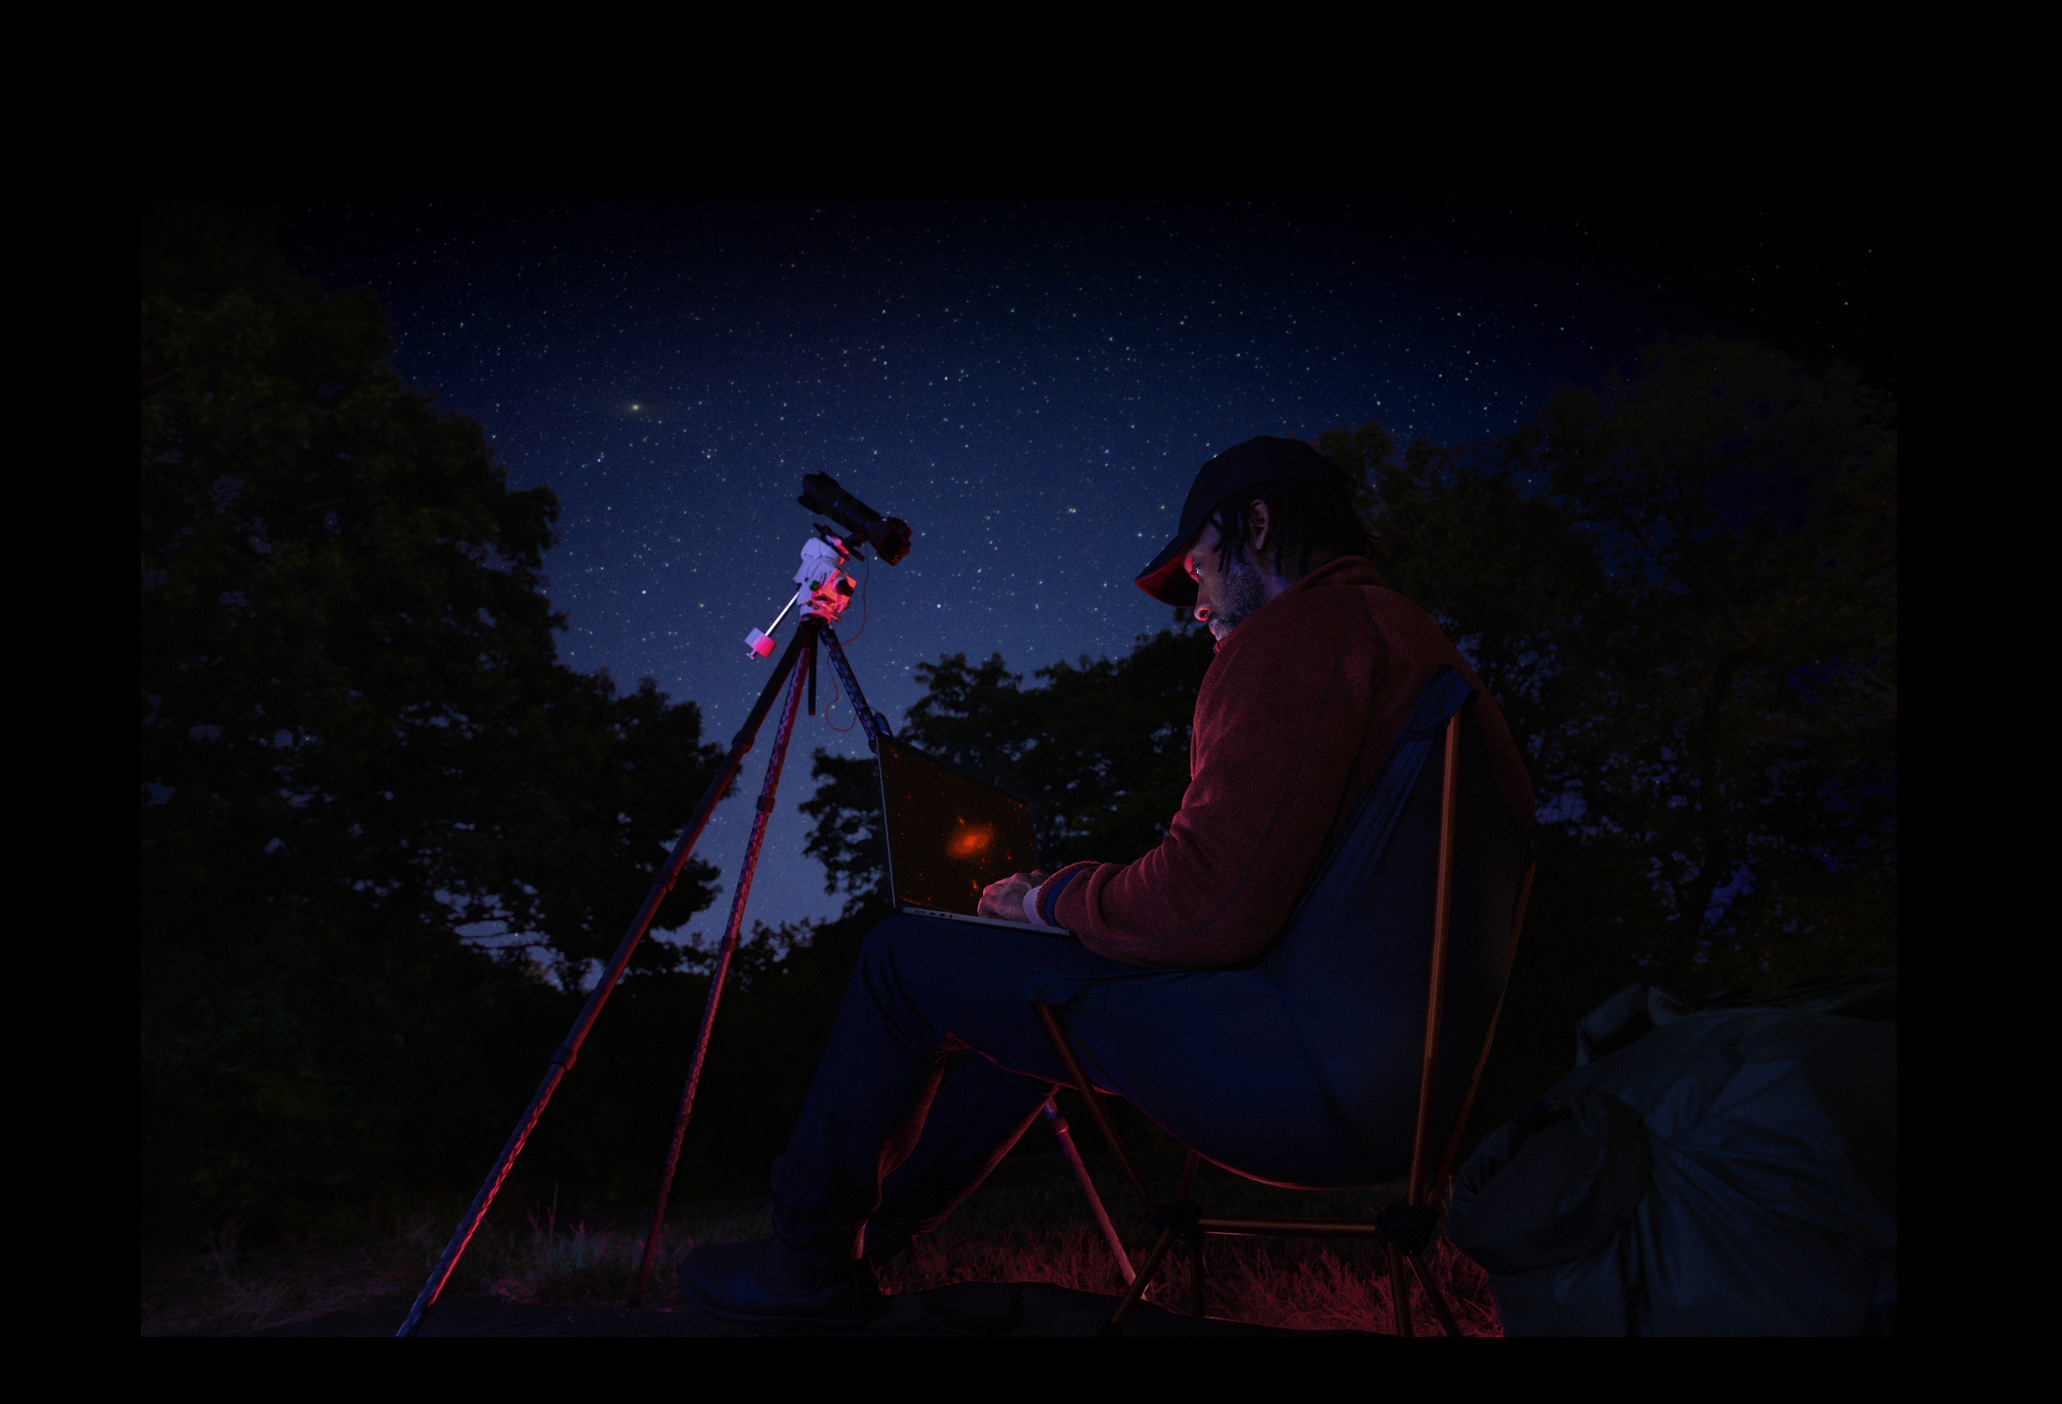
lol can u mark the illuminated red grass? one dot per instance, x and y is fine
(1305, 1285)
(1265, 1282)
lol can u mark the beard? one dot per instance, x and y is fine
(1242, 593)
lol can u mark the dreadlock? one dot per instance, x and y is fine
(1305, 517)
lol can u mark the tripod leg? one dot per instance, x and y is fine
(876, 725)
(562, 1061)
(728, 949)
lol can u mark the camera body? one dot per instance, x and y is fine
(864, 526)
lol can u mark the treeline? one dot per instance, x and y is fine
(358, 744)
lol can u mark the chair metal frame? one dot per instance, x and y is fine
(1405, 1230)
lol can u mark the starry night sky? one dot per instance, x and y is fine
(1031, 386)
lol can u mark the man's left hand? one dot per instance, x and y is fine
(1005, 899)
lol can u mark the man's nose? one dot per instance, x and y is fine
(1202, 613)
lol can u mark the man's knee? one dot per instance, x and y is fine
(886, 938)
(888, 951)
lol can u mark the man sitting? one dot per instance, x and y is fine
(1159, 967)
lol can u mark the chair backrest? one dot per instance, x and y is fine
(1354, 963)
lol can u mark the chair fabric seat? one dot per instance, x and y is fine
(1353, 965)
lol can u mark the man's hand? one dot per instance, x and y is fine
(1005, 899)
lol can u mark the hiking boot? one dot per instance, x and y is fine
(777, 1283)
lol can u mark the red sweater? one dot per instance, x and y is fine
(1301, 704)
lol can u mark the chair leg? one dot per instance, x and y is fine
(1188, 1184)
(1095, 1108)
(1434, 1295)
(1095, 1201)
(1137, 1288)
(1399, 1290)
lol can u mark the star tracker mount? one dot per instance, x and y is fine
(823, 557)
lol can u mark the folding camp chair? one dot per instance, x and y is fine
(1405, 1230)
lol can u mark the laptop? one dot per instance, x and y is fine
(948, 836)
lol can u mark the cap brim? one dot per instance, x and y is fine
(1166, 580)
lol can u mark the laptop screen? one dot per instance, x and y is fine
(948, 836)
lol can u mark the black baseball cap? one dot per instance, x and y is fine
(1249, 465)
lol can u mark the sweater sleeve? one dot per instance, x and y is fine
(1277, 730)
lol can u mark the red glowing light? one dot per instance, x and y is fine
(971, 841)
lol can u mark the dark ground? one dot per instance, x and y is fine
(1033, 1185)
(964, 1309)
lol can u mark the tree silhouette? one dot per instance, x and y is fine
(358, 747)
(1682, 590)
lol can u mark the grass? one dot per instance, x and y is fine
(1030, 1224)
(1039, 1230)
(226, 1289)
(1266, 1282)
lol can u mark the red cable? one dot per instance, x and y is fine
(864, 581)
(841, 730)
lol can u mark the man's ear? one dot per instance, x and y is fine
(1257, 530)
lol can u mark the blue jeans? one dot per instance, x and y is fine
(1213, 1056)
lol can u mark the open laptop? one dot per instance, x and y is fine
(948, 836)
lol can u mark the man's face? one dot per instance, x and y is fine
(1226, 591)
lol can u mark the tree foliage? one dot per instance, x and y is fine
(357, 743)
(1682, 589)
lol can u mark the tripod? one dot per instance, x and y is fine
(797, 670)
